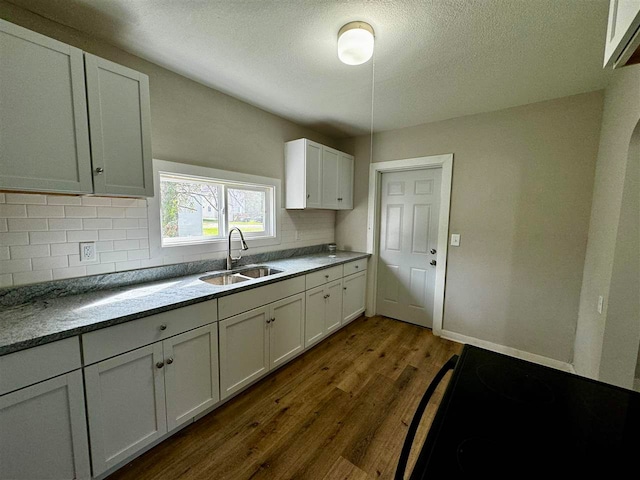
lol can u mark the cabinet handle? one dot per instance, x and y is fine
(99, 170)
(339, 199)
(308, 195)
(163, 326)
(169, 360)
(160, 364)
(344, 288)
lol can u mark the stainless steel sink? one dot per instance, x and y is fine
(230, 278)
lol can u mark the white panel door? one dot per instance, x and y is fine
(333, 306)
(191, 374)
(314, 322)
(44, 136)
(43, 431)
(313, 166)
(330, 174)
(409, 212)
(345, 181)
(353, 296)
(126, 405)
(244, 349)
(120, 121)
(287, 329)
(624, 21)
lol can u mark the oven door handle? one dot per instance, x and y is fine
(422, 406)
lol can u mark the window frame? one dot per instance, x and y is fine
(201, 246)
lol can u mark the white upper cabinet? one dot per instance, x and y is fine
(44, 136)
(317, 176)
(623, 33)
(70, 124)
(120, 126)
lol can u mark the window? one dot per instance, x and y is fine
(195, 207)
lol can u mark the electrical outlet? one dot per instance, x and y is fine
(88, 252)
(455, 239)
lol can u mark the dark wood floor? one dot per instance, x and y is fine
(340, 411)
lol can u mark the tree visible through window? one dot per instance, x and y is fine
(195, 209)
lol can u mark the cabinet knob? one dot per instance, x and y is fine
(268, 320)
(327, 277)
(169, 360)
(432, 263)
(433, 251)
(339, 199)
(99, 170)
(325, 297)
(308, 195)
(344, 288)
(273, 320)
(357, 266)
(160, 364)
(163, 326)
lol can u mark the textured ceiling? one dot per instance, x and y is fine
(434, 59)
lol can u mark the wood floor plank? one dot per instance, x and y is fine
(341, 410)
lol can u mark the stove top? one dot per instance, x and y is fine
(507, 417)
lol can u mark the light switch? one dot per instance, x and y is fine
(455, 239)
(87, 252)
(600, 303)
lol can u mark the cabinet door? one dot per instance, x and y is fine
(314, 322)
(43, 431)
(330, 169)
(191, 374)
(43, 114)
(353, 298)
(333, 306)
(624, 21)
(313, 173)
(287, 329)
(345, 182)
(244, 349)
(119, 117)
(125, 404)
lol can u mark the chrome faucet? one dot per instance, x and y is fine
(231, 259)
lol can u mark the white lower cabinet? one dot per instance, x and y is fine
(353, 298)
(255, 341)
(136, 397)
(323, 311)
(43, 431)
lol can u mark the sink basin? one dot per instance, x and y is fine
(259, 272)
(230, 278)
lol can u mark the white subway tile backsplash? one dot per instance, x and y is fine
(14, 238)
(45, 211)
(112, 234)
(47, 263)
(36, 238)
(126, 223)
(119, 226)
(111, 212)
(65, 224)
(107, 257)
(70, 272)
(80, 212)
(22, 278)
(63, 200)
(96, 201)
(12, 266)
(126, 245)
(13, 211)
(29, 251)
(82, 236)
(27, 224)
(97, 224)
(65, 249)
(26, 199)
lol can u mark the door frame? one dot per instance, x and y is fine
(376, 170)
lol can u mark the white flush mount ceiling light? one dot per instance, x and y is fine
(355, 43)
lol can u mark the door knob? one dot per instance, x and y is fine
(163, 327)
(432, 262)
(99, 170)
(433, 251)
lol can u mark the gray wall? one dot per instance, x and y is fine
(620, 117)
(190, 123)
(521, 199)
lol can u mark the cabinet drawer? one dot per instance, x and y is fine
(321, 277)
(33, 365)
(118, 339)
(355, 267)
(257, 297)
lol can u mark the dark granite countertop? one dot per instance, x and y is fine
(46, 320)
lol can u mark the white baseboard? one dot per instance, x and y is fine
(512, 352)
